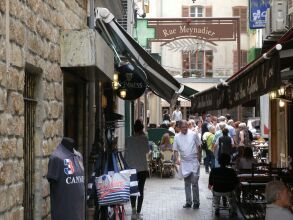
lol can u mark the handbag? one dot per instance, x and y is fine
(134, 190)
(113, 187)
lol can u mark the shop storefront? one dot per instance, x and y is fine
(270, 73)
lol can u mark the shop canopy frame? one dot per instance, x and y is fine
(157, 78)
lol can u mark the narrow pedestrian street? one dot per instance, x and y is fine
(165, 197)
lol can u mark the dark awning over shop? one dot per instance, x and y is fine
(210, 99)
(157, 78)
(254, 82)
(257, 78)
(188, 92)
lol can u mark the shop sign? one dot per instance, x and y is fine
(257, 13)
(132, 86)
(255, 82)
(209, 100)
(208, 29)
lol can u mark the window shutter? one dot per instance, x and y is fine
(185, 62)
(243, 20)
(185, 11)
(235, 61)
(241, 11)
(243, 58)
(209, 11)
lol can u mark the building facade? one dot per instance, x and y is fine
(47, 92)
(196, 62)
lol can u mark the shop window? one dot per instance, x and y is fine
(196, 11)
(241, 11)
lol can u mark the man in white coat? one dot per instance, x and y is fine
(187, 153)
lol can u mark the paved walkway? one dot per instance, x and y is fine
(165, 197)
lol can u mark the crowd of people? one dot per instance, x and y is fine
(219, 141)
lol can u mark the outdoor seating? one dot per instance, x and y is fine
(251, 199)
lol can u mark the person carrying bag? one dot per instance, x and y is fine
(134, 190)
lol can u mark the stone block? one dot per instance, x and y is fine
(50, 92)
(13, 78)
(19, 171)
(4, 118)
(48, 129)
(14, 195)
(19, 148)
(2, 6)
(45, 188)
(36, 6)
(31, 21)
(2, 23)
(54, 55)
(59, 125)
(16, 56)
(3, 74)
(55, 109)
(17, 9)
(17, 213)
(17, 32)
(3, 202)
(2, 49)
(45, 148)
(8, 147)
(58, 91)
(15, 103)
(3, 99)
(6, 172)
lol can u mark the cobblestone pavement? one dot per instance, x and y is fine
(165, 197)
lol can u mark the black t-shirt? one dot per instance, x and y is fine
(223, 179)
(67, 190)
(166, 117)
(225, 145)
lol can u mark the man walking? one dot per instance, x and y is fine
(187, 144)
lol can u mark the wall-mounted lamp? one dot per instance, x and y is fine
(281, 103)
(115, 77)
(115, 85)
(273, 95)
(281, 91)
(123, 93)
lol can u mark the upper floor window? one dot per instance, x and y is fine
(196, 11)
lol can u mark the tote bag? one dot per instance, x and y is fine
(113, 187)
(134, 191)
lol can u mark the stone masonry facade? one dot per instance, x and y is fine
(32, 38)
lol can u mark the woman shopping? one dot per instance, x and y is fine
(136, 148)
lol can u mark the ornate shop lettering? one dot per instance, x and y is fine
(183, 29)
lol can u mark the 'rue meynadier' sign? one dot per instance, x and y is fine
(207, 30)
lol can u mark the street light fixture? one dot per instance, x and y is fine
(281, 91)
(281, 103)
(273, 95)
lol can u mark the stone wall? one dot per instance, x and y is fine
(33, 37)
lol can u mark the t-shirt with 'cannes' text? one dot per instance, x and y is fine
(67, 191)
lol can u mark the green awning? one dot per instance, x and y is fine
(188, 92)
